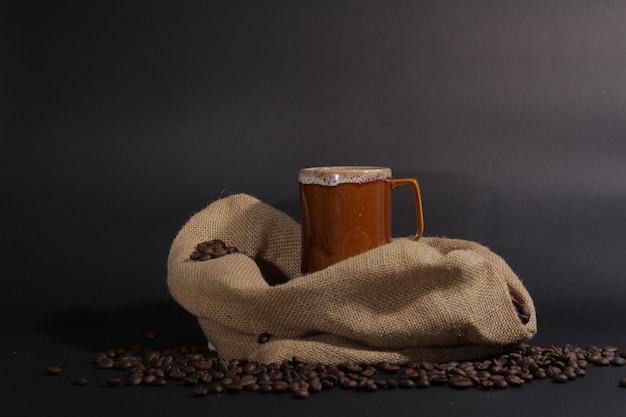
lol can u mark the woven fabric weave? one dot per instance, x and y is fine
(436, 299)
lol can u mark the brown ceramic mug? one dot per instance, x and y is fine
(346, 210)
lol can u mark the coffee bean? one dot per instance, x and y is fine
(105, 363)
(460, 382)
(53, 370)
(374, 385)
(150, 334)
(315, 385)
(199, 392)
(80, 381)
(406, 383)
(391, 383)
(348, 383)
(486, 384)
(233, 388)
(368, 371)
(159, 382)
(135, 380)
(422, 382)
(216, 389)
(622, 382)
(618, 361)
(601, 361)
(280, 386)
(264, 337)
(251, 387)
(500, 384)
(514, 381)
(212, 249)
(523, 311)
(113, 382)
(350, 367)
(301, 393)
(265, 388)
(194, 365)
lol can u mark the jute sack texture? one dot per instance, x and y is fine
(435, 299)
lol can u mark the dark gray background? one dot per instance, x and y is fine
(119, 120)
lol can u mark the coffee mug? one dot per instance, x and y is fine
(346, 210)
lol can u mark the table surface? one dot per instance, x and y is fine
(70, 338)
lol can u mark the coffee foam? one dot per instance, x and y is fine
(331, 176)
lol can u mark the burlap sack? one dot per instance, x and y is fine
(436, 299)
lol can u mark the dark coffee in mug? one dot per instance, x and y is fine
(346, 210)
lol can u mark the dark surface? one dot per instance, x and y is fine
(121, 120)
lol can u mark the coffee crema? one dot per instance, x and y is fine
(332, 176)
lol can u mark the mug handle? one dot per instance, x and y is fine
(396, 182)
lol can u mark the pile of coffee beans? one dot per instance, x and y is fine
(205, 373)
(211, 249)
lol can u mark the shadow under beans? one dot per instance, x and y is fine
(98, 330)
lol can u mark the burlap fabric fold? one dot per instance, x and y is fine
(436, 299)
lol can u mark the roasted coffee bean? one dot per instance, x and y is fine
(135, 380)
(368, 371)
(200, 392)
(113, 382)
(265, 388)
(438, 379)
(618, 361)
(159, 382)
(406, 383)
(350, 367)
(622, 382)
(190, 380)
(234, 387)
(105, 363)
(216, 389)
(523, 311)
(80, 381)
(348, 383)
(264, 337)
(460, 382)
(422, 382)
(514, 381)
(150, 334)
(211, 249)
(301, 393)
(53, 370)
(486, 384)
(251, 387)
(195, 365)
(315, 385)
(369, 386)
(280, 386)
(602, 361)
(500, 384)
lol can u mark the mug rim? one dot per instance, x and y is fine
(341, 174)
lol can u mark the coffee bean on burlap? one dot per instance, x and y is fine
(264, 337)
(212, 249)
